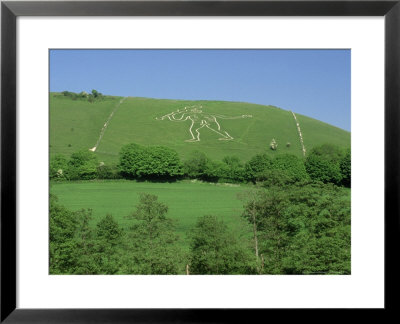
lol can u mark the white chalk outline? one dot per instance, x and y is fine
(300, 135)
(94, 148)
(200, 120)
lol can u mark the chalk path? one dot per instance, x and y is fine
(300, 135)
(93, 149)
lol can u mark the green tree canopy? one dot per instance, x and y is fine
(196, 165)
(291, 165)
(58, 167)
(82, 165)
(303, 228)
(153, 162)
(345, 168)
(153, 244)
(109, 246)
(323, 163)
(256, 166)
(216, 250)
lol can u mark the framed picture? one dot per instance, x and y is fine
(53, 53)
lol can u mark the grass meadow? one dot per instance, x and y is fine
(186, 200)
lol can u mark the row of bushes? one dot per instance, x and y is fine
(82, 165)
(91, 97)
(326, 163)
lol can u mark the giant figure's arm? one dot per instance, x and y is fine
(235, 117)
(172, 118)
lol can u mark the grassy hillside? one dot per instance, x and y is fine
(77, 125)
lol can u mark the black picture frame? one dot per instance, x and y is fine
(10, 10)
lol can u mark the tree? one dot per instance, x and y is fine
(323, 163)
(321, 244)
(215, 250)
(329, 151)
(264, 213)
(71, 241)
(345, 169)
(162, 163)
(291, 165)
(105, 171)
(256, 166)
(131, 160)
(214, 170)
(58, 166)
(322, 169)
(95, 95)
(153, 244)
(196, 165)
(109, 245)
(234, 170)
(85, 244)
(62, 244)
(83, 94)
(303, 228)
(78, 248)
(82, 165)
(154, 162)
(273, 177)
(250, 214)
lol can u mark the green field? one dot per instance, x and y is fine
(186, 200)
(76, 125)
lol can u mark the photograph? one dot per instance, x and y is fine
(199, 161)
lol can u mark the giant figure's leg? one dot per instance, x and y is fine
(196, 126)
(215, 127)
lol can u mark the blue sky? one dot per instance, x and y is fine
(315, 83)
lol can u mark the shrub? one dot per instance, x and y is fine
(108, 172)
(196, 165)
(271, 178)
(323, 163)
(234, 170)
(57, 167)
(329, 151)
(131, 157)
(273, 145)
(291, 165)
(322, 169)
(153, 245)
(256, 166)
(345, 169)
(229, 170)
(216, 250)
(302, 229)
(153, 162)
(215, 170)
(82, 166)
(62, 246)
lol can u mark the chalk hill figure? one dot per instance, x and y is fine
(200, 119)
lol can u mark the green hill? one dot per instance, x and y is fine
(78, 124)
